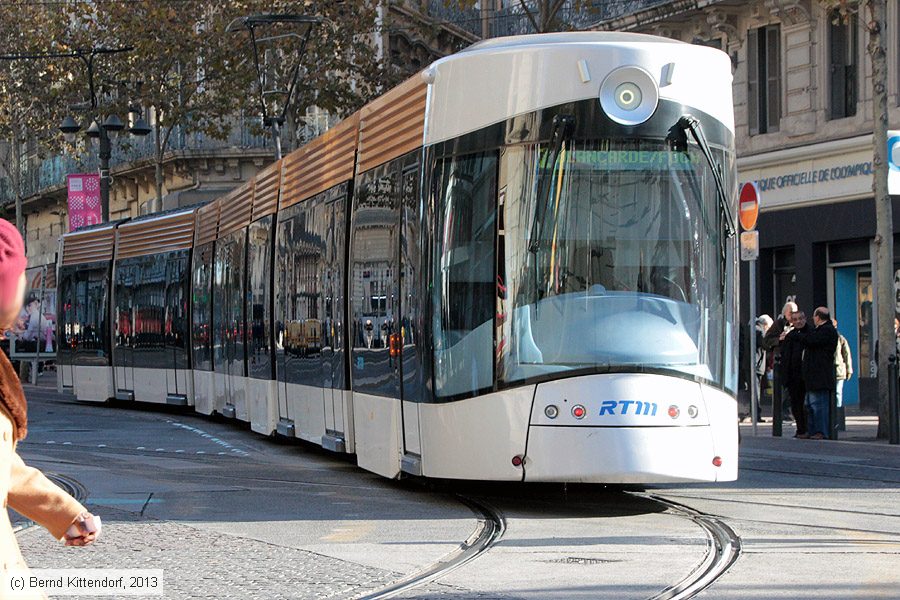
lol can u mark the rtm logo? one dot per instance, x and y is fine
(644, 409)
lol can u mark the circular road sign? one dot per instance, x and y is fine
(749, 206)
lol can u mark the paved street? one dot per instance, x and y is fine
(229, 514)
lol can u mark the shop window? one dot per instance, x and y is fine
(764, 77)
(843, 50)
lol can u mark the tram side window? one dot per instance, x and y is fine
(149, 312)
(373, 282)
(259, 292)
(464, 273)
(65, 317)
(202, 307)
(124, 317)
(88, 300)
(176, 311)
(228, 304)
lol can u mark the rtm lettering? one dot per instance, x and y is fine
(640, 408)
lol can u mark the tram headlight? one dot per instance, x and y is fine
(551, 411)
(693, 411)
(629, 95)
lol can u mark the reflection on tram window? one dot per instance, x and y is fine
(464, 274)
(309, 292)
(202, 307)
(374, 281)
(259, 240)
(228, 304)
(619, 265)
(151, 311)
(84, 293)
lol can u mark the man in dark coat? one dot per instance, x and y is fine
(818, 372)
(772, 342)
(792, 368)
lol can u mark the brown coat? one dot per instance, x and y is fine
(23, 488)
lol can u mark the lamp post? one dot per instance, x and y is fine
(110, 127)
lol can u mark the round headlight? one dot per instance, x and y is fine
(629, 95)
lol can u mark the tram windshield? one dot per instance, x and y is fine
(623, 265)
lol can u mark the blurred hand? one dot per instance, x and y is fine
(83, 531)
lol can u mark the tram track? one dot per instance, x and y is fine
(490, 528)
(722, 550)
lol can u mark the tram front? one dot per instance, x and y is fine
(612, 250)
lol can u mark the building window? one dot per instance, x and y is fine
(784, 272)
(764, 77)
(843, 50)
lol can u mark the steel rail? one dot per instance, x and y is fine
(723, 547)
(490, 528)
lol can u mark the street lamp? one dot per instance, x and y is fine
(110, 128)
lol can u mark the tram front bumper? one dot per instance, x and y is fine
(627, 455)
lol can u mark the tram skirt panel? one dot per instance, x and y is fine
(93, 384)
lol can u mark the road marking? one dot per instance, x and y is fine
(352, 532)
(210, 437)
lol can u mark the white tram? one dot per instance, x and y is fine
(517, 265)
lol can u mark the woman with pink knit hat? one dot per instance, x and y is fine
(23, 488)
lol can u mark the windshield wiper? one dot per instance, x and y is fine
(678, 137)
(563, 128)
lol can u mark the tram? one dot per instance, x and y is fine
(518, 265)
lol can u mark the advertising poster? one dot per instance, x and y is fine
(34, 333)
(84, 200)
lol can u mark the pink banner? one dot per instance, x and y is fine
(84, 200)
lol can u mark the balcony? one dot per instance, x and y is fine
(43, 174)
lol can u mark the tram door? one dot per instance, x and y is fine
(126, 290)
(405, 345)
(333, 309)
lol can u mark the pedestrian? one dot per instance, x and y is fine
(792, 368)
(25, 489)
(843, 370)
(772, 342)
(818, 372)
(763, 322)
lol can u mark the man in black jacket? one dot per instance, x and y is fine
(772, 342)
(818, 372)
(792, 368)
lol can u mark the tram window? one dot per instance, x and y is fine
(124, 314)
(373, 281)
(202, 307)
(464, 275)
(86, 323)
(259, 264)
(176, 312)
(625, 268)
(228, 304)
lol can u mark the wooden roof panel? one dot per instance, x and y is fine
(392, 125)
(166, 233)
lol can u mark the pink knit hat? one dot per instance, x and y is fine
(12, 262)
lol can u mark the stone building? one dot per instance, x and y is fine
(803, 111)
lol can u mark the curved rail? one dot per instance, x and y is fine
(71, 485)
(491, 527)
(722, 550)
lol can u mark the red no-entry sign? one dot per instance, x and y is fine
(749, 206)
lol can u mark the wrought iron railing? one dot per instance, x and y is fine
(512, 20)
(49, 172)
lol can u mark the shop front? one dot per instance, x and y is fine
(817, 225)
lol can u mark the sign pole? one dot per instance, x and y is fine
(748, 203)
(754, 377)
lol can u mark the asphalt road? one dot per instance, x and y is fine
(228, 513)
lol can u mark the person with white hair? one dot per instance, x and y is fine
(763, 322)
(772, 342)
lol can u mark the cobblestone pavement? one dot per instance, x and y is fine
(202, 564)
